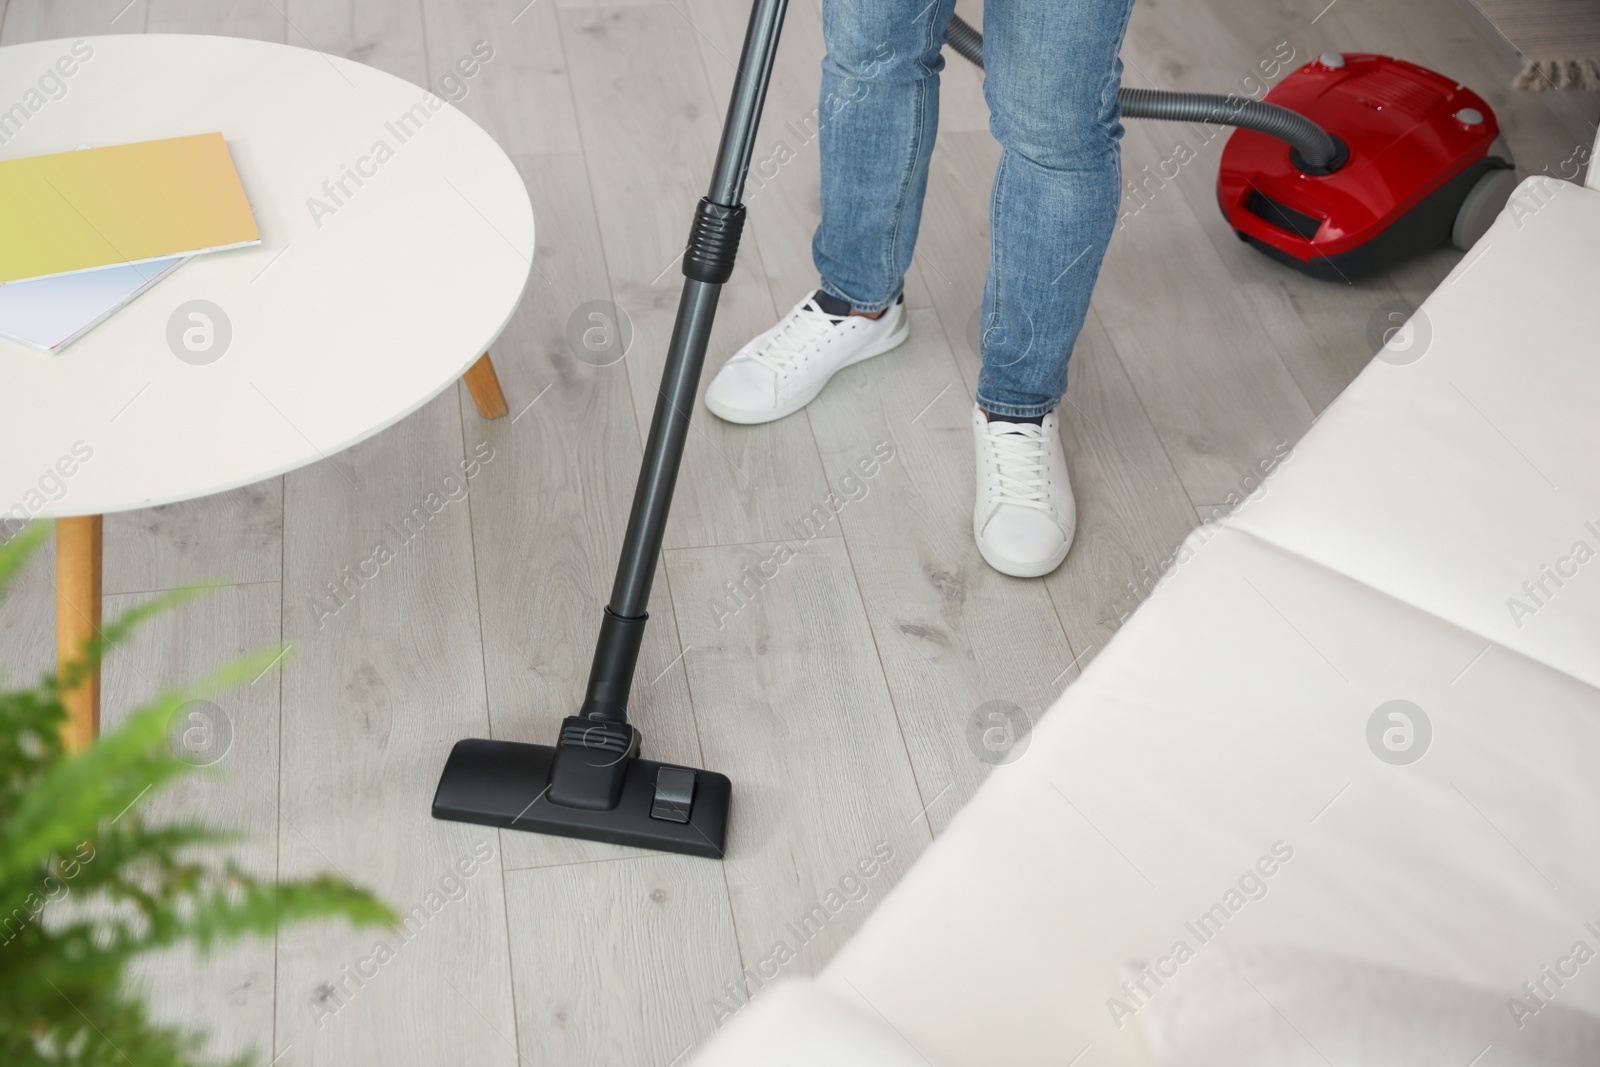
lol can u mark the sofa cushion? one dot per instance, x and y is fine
(1212, 779)
(1465, 478)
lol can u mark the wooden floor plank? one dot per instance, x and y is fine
(1132, 510)
(378, 684)
(262, 20)
(1324, 330)
(953, 634)
(649, 135)
(633, 970)
(961, 103)
(227, 994)
(235, 536)
(379, 33)
(41, 20)
(792, 704)
(1208, 374)
(520, 92)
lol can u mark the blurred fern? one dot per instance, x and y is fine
(74, 821)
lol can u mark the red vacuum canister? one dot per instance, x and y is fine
(1422, 163)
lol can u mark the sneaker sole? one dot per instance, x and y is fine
(1017, 569)
(755, 418)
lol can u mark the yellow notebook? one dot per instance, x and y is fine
(102, 207)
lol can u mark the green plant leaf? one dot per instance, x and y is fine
(75, 843)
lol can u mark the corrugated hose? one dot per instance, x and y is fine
(1315, 150)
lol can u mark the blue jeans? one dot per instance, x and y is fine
(1052, 75)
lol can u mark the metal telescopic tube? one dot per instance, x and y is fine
(669, 430)
(749, 95)
(669, 427)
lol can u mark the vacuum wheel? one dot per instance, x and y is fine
(1482, 206)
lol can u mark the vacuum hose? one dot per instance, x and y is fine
(1315, 151)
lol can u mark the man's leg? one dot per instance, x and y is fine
(1051, 79)
(878, 114)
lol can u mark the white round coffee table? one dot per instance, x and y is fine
(383, 275)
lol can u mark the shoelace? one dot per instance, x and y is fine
(801, 329)
(1018, 452)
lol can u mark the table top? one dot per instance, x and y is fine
(397, 239)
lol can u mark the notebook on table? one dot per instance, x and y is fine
(51, 313)
(101, 208)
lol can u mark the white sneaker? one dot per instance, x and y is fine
(1024, 517)
(784, 369)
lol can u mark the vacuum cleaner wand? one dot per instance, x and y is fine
(1315, 150)
(593, 783)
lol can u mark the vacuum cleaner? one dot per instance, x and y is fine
(1347, 166)
(1405, 169)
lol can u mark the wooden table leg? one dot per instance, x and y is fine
(484, 384)
(78, 543)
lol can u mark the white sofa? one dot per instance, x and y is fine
(1214, 779)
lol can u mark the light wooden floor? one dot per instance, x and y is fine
(838, 698)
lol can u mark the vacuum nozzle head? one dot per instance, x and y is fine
(510, 785)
